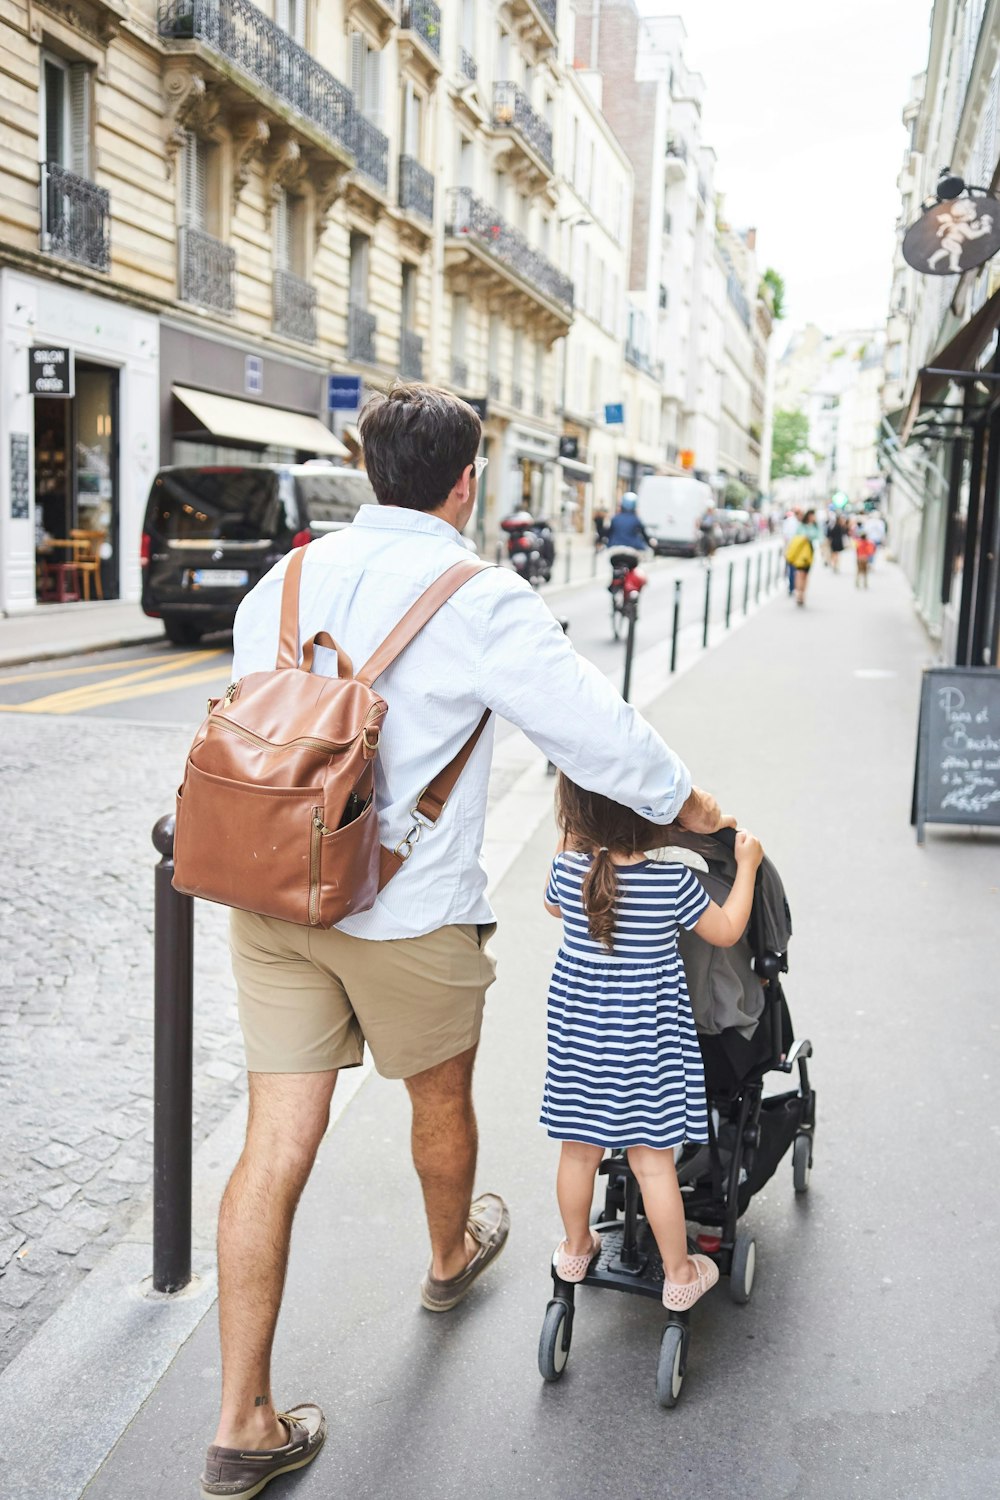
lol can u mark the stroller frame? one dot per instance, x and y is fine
(716, 1192)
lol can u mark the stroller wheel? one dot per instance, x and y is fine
(553, 1346)
(801, 1162)
(744, 1265)
(672, 1362)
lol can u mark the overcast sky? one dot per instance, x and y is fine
(802, 103)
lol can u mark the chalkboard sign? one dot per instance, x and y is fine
(957, 777)
(20, 488)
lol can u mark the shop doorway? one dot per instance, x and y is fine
(77, 490)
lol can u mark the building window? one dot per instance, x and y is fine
(517, 359)
(290, 233)
(459, 331)
(664, 298)
(194, 181)
(366, 78)
(66, 93)
(291, 17)
(411, 133)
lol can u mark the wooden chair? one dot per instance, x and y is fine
(56, 582)
(87, 559)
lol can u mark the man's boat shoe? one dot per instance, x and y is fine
(239, 1473)
(489, 1225)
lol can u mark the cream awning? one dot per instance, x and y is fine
(251, 422)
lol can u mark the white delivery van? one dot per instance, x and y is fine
(671, 507)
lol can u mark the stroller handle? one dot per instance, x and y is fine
(725, 836)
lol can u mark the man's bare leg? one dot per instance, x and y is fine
(288, 1114)
(445, 1141)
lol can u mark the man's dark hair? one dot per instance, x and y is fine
(417, 440)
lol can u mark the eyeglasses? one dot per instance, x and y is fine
(478, 465)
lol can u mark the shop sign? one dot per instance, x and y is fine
(343, 392)
(50, 370)
(20, 487)
(954, 236)
(614, 414)
(686, 458)
(569, 447)
(253, 375)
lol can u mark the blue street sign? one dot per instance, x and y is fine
(614, 415)
(343, 392)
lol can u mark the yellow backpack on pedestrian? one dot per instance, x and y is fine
(799, 552)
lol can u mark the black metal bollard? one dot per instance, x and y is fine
(746, 588)
(756, 592)
(708, 604)
(729, 594)
(631, 610)
(677, 624)
(173, 1026)
(569, 561)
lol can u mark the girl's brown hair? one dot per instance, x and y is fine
(592, 824)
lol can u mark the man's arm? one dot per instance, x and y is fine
(530, 674)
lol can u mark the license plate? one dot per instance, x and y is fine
(220, 578)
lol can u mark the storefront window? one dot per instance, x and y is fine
(76, 490)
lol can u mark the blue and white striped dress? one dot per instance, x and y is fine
(624, 1065)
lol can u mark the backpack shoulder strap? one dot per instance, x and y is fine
(288, 634)
(416, 618)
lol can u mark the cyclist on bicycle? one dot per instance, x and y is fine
(625, 528)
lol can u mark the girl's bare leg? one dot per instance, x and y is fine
(664, 1207)
(578, 1164)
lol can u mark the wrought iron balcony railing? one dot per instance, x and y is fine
(245, 37)
(424, 17)
(517, 395)
(371, 147)
(640, 360)
(470, 218)
(676, 146)
(512, 110)
(411, 355)
(207, 268)
(360, 334)
(538, 406)
(459, 371)
(468, 65)
(416, 188)
(493, 387)
(75, 217)
(294, 307)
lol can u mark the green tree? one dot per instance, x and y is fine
(790, 445)
(776, 283)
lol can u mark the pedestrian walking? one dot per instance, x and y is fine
(624, 1066)
(875, 531)
(864, 551)
(800, 553)
(789, 527)
(837, 536)
(407, 976)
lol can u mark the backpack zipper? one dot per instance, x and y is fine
(256, 739)
(315, 834)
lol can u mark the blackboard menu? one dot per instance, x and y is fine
(20, 483)
(957, 776)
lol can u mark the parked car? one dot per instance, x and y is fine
(211, 533)
(740, 523)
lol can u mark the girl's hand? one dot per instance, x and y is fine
(749, 850)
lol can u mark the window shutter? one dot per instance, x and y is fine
(194, 186)
(297, 21)
(282, 247)
(373, 87)
(281, 13)
(358, 68)
(79, 119)
(55, 119)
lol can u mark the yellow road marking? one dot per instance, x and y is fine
(71, 700)
(108, 666)
(112, 693)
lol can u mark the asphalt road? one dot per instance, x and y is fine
(167, 685)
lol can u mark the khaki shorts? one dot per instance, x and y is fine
(310, 998)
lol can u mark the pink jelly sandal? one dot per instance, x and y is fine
(678, 1296)
(575, 1267)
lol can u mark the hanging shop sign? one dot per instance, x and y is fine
(480, 405)
(343, 392)
(953, 236)
(614, 414)
(50, 370)
(569, 447)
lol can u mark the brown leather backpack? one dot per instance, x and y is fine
(276, 813)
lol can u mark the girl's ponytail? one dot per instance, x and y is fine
(600, 895)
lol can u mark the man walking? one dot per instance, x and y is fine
(408, 977)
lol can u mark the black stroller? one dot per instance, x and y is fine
(745, 1032)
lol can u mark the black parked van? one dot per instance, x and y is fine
(211, 533)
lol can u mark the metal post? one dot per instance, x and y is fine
(708, 604)
(569, 560)
(756, 592)
(499, 553)
(173, 1025)
(746, 588)
(677, 623)
(729, 594)
(630, 610)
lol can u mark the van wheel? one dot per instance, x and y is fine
(182, 632)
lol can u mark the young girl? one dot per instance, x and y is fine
(624, 1065)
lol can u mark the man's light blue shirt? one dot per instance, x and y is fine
(495, 644)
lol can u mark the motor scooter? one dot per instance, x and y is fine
(530, 546)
